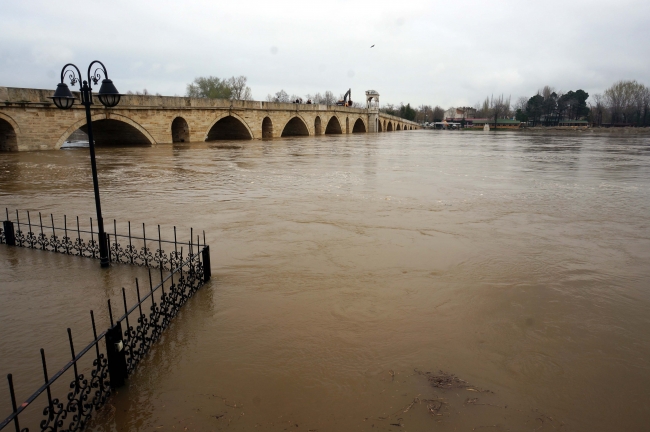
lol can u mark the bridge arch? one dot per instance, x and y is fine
(333, 126)
(347, 125)
(389, 128)
(318, 128)
(228, 126)
(398, 128)
(106, 127)
(9, 132)
(379, 127)
(267, 128)
(180, 130)
(296, 126)
(359, 126)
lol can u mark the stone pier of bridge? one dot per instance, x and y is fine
(30, 121)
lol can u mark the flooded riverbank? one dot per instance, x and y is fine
(346, 267)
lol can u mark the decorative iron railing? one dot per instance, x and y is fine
(108, 366)
(124, 248)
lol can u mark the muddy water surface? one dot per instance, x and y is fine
(345, 268)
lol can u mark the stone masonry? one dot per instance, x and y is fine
(30, 121)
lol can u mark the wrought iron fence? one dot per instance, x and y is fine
(124, 248)
(125, 343)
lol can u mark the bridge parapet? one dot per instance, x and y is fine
(27, 96)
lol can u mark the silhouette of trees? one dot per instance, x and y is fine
(403, 111)
(549, 108)
(628, 102)
(239, 89)
(534, 108)
(406, 112)
(281, 97)
(499, 108)
(389, 109)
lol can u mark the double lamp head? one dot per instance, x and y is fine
(108, 95)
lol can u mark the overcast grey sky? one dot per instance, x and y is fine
(426, 52)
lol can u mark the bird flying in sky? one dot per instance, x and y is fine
(372, 46)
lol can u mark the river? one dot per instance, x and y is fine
(352, 272)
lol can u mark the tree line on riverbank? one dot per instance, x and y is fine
(625, 103)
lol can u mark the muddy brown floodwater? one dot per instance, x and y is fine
(354, 275)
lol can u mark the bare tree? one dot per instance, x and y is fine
(144, 92)
(520, 104)
(499, 108)
(597, 109)
(423, 114)
(239, 89)
(316, 98)
(640, 103)
(620, 100)
(438, 113)
(546, 92)
(626, 102)
(281, 97)
(483, 109)
(389, 109)
(329, 98)
(646, 105)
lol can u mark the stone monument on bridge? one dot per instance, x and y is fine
(372, 104)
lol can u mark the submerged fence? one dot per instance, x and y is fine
(106, 362)
(72, 239)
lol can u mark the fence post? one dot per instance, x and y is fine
(207, 273)
(10, 235)
(116, 356)
(108, 242)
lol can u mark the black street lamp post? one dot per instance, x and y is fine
(109, 97)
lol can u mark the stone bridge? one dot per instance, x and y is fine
(30, 121)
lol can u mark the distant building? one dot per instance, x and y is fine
(458, 114)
